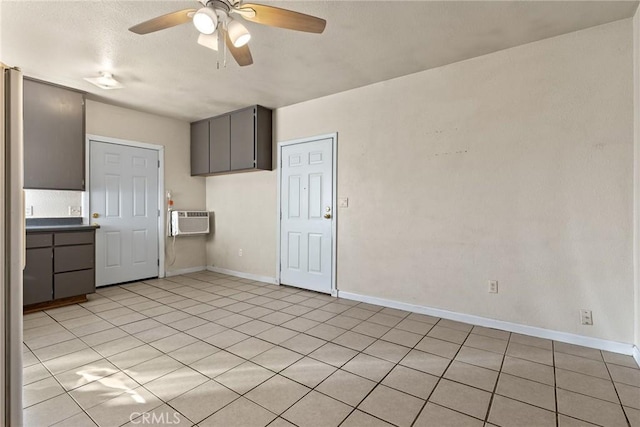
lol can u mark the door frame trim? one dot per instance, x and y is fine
(86, 196)
(334, 197)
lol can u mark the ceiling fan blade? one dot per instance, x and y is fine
(242, 54)
(283, 18)
(165, 21)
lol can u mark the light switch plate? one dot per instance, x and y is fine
(343, 202)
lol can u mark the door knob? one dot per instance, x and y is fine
(95, 215)
(327, 215)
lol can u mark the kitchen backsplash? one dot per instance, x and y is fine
(52, 203)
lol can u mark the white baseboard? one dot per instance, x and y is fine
(184, 271)
(612, 346)
(257, 278)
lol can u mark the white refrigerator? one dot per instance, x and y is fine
(12, 246)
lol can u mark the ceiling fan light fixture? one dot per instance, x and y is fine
(209, 40)
(238, 33)
(205, 20)
(105, 81)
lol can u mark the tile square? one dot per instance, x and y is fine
(344, 322)
(33, 373)
(277, 334)
(103, 389)
(384, 319)
(369, 367)
(474, 376)
(82, 375)
(425, 362)
(277, 318)
(509, 412)
(531, 341)
(244, 377)
(590, 409)
(391, 405)
(438, 416)
(387, 351)
(346, 387)
(333, 354)
(629, 395)
(317, 410)
(250, 348)
(277, 394)
(155, 334)
(78, 420)
(217, 364)
(582, 365)
(586, 384)
(486, 343)
(438, 347)
(175, 383)
(226, 339)
(202, 401)
(72, 360)
(620, 359)
(529, 370)
(277, 358)
(39, 391)
(361, 419)
(400, 337)
(482, 358)
(414, 326)
(240, 413)
(358, 313)
(411, 381)
(461, 398)
(51, 411)
(624, 375)
(57, 350)
(193, 352)
(118, 410)
(371, 329)
(577, 350)
(308, 371)
(447, 334)
(491, 333)
(530, 353)
(173, 342)
(526, 391)
(205, 330)
(354, 340)
(152, 369)
(254, 327)
(300, 324)
(118, 346)
(104, 336)
(303, 344)
(325, 331)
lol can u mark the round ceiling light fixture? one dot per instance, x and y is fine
(205, 20)
(238, 33)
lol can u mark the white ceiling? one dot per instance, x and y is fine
(364, 42)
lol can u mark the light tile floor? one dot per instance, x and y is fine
(212, 350)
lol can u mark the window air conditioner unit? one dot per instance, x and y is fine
(185, 223)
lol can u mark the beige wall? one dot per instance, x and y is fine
(516, 166)
(636, 116)
(187, 192)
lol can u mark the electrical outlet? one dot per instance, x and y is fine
(493, 287)
(343, 202)
(585, 317)
(75, 211)
(239, 252)
(28, 211)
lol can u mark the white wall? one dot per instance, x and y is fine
(51, 203)
(515, 166)
(188, 192)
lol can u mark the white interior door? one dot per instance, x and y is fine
(306, 206)
(124, 202)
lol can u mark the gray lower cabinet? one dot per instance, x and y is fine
(54, 137)
(237, 141)
(59, 265)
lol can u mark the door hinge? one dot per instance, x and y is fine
(280, 214)
(158, 163)
(158, 212)
(158, 263)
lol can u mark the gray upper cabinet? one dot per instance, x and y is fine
(219, 144)
(237, 141)
(54, 137)
(200, 148)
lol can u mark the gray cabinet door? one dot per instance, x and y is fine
(54, 137)
(38, 276)
(74, 283)
(219, 144)
(200, 148)
(243, 139)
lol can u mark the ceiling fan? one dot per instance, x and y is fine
(215, 23)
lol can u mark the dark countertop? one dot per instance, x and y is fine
(57, 224)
